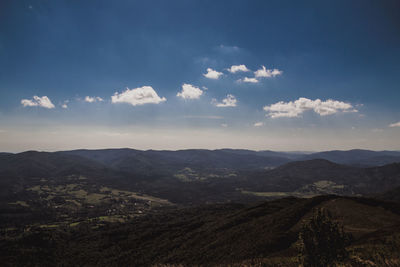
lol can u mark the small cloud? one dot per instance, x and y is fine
(229, 101)
(204, 88)
(376, 130)
(210, 117)
(267, 73)
(113, 134)
(65, 104)
(396, 124)
(238, 68)
(224, 125)
(296, 108)
(90, 99)
(190, 92)
(228, 48)
(138, 96)
(212, 74)
(37, 101)
(205, 61)
(258, 124)
(248, 80)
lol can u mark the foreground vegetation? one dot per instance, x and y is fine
(266, 234)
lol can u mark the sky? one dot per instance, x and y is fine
(262, 75)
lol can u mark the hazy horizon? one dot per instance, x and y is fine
(305, 152)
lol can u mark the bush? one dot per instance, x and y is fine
(322, 241)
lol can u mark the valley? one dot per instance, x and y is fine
(176, 207)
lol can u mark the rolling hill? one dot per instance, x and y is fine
(336, 178)
(196, 176)
(163, 161)
(357, 157)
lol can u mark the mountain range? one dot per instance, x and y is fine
(192, 207)
(200, 176)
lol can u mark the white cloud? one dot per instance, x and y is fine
(248, 80)
(190, 92)
(37, 101)
(91, 99)
(396, 124)
(211, 117)
(224, 125)
(267, 73)
(212, 74)
(228, 48)
(138, 96)
(229, 101)
(258, 124)
(296, 108)
(65, 104)
(237, 68)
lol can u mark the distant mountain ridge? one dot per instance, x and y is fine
(125, 159)
(198, 176)
(231, 158)
(357, 157)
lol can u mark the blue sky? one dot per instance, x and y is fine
(317, 75)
